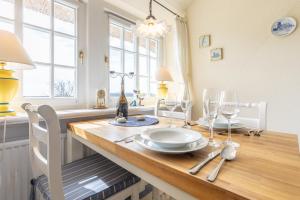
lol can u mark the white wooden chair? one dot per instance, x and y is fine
(162, 110)
(257, 120)
(93, 177)
(259, 110)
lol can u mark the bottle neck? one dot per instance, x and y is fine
(122, 86)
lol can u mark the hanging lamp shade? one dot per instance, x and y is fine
(151, 27)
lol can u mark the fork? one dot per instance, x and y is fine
(125, 138)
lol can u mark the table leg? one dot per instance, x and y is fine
(74, 148)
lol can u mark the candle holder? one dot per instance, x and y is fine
(122, 106)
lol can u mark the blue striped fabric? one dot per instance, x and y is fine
(91, 178)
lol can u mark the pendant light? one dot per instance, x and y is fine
(152, 27)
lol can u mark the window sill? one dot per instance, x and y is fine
(22, 118)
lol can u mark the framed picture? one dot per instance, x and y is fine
(216, 54)
(204, 41)
(284, 26)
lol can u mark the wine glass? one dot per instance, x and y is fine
(185, 106)
(230, 109)
(171, 106)
(212, 99)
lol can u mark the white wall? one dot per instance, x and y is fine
(97, 43)
(260, 66)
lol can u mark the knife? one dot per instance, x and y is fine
(195, 169)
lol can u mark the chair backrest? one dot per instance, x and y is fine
(162, 110)
(51, 165)
(258, 121)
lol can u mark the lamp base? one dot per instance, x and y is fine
(162, 90)
(8, 90)
(8, 113)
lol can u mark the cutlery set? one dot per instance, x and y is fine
(227, 153)
(126, 139)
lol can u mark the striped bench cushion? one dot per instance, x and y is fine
(94, 177)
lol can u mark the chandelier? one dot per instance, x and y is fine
(151, 27)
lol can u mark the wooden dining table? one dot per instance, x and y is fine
(266, 167)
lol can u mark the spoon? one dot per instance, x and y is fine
(228, 153)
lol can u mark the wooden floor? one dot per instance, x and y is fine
(267, 167)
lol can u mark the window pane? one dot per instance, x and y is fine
(153, 68)
(37, 44)
(153, 48)
(36, 82)
(115, 38)
(129, 40)
(64, 82)
(143, 85)
(7, 9)
(153, 89)
(129, 62)
(6, 26)
(64, 51)
(64, 20)
(114, 86)
(37, 12)
(143, 65)
(129, 87)
(143, 46)
(115, 60)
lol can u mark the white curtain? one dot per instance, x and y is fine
(182, 55)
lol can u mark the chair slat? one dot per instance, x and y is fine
(39, 160)
(40, 133)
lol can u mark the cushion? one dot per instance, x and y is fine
(94, 177)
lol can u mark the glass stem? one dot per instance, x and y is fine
(211, 130)
(229, 131)
(185, 119)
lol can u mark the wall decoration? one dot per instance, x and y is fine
(216, 54)
(284, 26)
(204, 41)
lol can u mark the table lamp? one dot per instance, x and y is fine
(12, 56)
(163, 74)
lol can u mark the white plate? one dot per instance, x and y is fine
(171, 137)
(217, 126)
(221, 121)
(195, 146)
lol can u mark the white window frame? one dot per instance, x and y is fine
(52, 65)
(8, 20)
(118, 23)
(123, 50)
(80, 28)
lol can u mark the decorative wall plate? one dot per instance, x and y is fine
(284, 26)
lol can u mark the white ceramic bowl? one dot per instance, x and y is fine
(171, 137)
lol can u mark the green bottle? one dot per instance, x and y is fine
(122, 108)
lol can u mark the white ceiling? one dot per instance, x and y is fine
(140, 7)
(179, 4)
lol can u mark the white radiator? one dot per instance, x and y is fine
(15, 170)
